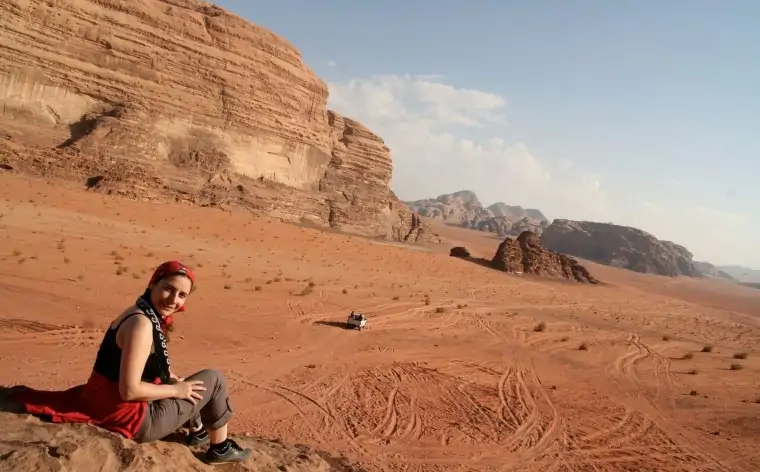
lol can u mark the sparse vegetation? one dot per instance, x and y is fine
(583, 347)
(692, 371)
(736, 367)
(740, 355)
(687, 356)
(540, 327)
(707, 348)
(227, 287)
(440, 309)
(665, 337)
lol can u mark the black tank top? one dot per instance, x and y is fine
(108, 360)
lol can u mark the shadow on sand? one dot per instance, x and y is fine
(334, 324)
(477, 260)
(6, 404)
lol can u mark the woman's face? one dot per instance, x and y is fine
(169, 294)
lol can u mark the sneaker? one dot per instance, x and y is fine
(227, 452)
(198, 438)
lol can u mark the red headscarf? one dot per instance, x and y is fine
(168, 269)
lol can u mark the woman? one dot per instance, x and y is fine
(132, 390)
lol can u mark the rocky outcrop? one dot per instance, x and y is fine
(619, 246)
(182, 100)
(29, 444)
(526, 255)
(464, 209)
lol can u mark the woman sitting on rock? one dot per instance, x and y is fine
(132, 390)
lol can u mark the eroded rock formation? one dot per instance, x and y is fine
(526, 255)
(619, 246)
(181, 99)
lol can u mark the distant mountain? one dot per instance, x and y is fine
(709, 270)
(741, 274)
(502, 209)
(619, 246)
(464, 209)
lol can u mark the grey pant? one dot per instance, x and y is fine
(168, 415)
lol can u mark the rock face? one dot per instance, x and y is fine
(619, 246)
(180, 99)
(464, 209)
(29, 444)
(526, 255)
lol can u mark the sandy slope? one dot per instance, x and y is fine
(460, 382)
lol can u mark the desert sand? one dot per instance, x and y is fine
(461, 368)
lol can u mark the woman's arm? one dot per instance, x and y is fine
(137, 339)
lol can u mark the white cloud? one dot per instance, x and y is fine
(445, 139)
(331, 63)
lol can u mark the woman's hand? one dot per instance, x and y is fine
(188, 390)
(175, 377)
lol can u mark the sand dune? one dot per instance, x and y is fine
(462, 367)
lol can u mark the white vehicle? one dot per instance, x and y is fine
(356, 320)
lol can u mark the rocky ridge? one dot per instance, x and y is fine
(526, 255)
(182, 100)
(619, 246)
(463, 208)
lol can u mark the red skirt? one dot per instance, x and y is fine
(98, 402)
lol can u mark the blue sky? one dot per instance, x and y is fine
(638, 113)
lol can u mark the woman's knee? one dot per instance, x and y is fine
(212, 378)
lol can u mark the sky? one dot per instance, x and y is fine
(643, 114)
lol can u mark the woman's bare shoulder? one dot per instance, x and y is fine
(129, 319)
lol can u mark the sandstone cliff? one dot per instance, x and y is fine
(464, 209)
(181, 99)
(619, 246)
(526, 255)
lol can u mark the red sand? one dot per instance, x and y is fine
(462, 383)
